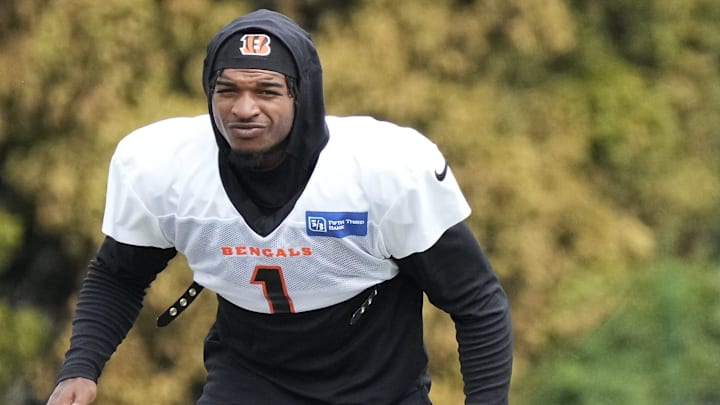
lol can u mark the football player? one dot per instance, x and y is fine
(319, 235)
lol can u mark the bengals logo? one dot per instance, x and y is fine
(255, 44)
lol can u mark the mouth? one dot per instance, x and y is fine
(245, 130)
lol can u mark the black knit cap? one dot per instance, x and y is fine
(259, 50)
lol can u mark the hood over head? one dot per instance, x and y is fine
(255, 51)
(309, 133)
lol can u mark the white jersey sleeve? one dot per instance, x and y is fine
(410, 185)
(429, 204)
(126, 217)
(140, 187)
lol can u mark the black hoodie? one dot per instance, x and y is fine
(264, 198)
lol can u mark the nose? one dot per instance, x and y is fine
(245, 106)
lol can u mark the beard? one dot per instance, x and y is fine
(259, 160)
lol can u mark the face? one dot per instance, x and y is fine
(253, 109)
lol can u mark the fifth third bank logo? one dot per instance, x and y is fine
(317, 224)
(336, 224)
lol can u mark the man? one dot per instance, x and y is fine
(318, 234)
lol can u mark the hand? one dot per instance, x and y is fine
(74, 391)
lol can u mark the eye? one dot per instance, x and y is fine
(268, 93)
(225, 90)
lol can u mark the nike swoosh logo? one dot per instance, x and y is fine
(441, 176)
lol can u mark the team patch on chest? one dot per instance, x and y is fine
(336, 224)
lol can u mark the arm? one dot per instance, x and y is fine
(457, 278)
(110, 300)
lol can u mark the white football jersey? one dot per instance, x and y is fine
(378, 191)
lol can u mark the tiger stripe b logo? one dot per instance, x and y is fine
(255, 44)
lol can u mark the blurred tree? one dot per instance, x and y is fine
(661, 348)
(23, 339)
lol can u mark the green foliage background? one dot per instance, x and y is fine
(585, 134)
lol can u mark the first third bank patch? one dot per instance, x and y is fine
(336, 224)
